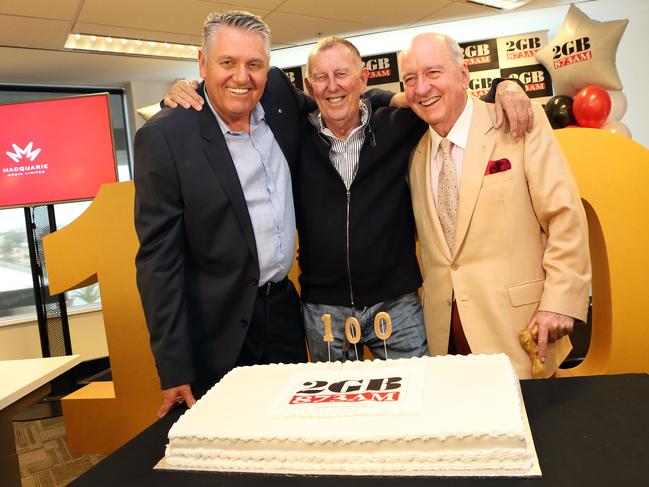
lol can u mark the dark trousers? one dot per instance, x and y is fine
(276, 330)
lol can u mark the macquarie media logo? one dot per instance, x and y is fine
(571, 52)
(18, 153)
(382, 389)
(22, 159)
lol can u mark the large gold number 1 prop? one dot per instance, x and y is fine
(100, 246)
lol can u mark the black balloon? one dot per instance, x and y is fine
(559, 111)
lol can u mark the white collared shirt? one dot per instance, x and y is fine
(459, 136)
(266, 183)
(345, 154)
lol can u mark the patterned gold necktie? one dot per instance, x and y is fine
(447, 194)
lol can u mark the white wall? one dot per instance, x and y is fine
(87, 334)
(19, 341)
(141, 94)
(632, 55)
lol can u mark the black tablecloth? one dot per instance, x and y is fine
(588, 431)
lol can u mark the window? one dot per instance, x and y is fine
(16, 285)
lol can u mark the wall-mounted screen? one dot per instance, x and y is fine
(53, 151)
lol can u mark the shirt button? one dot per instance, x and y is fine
(244, 322)
(455, 267)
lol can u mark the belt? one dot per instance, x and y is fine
(272, 287)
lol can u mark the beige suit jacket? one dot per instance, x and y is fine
(521, 243)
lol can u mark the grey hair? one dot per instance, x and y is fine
(328, 43)
(235, 19)
(455, 51)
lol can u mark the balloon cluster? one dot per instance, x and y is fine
(581, 61)
(592, 107)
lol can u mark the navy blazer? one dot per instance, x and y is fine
(197, 266)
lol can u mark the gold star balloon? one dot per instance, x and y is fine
(583, 53)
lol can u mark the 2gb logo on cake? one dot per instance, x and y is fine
(385, 389)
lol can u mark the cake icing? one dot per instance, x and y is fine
(450, 415)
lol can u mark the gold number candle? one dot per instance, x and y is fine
(378, 329)
(353, 336)
(326, 320)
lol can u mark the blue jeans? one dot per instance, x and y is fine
(408, 338)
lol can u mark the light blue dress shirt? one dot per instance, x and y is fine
(266, 182)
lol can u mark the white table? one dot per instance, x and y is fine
(22, 383)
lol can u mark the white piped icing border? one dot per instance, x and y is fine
(250, 451)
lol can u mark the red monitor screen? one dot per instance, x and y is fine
(55, 150)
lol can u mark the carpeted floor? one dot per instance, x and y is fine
(43, 454)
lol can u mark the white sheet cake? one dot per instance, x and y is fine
(449, 415)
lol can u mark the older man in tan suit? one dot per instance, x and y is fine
(502, 230)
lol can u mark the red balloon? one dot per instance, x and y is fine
(591, 107)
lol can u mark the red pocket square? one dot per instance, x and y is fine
(498, 166)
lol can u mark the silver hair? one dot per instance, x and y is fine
(235, 19)
(455, 51)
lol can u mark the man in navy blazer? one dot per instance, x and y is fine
(214, 216)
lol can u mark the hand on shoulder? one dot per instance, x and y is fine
(184, 93)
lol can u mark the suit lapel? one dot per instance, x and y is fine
(222, 164)
(275, 115)
(479, 148)
(422, 161)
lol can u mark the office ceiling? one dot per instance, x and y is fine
(33, 32)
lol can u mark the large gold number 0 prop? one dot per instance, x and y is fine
(100, 245)
(612, 174)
